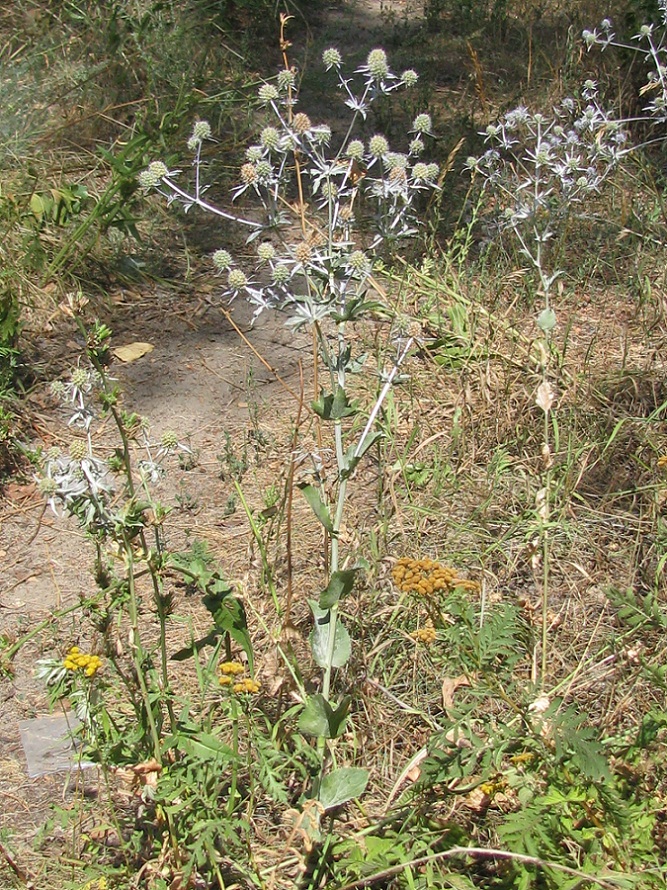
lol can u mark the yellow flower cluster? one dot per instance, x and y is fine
(427, 577)
(231, 669)
(76, 660)
(425, 634)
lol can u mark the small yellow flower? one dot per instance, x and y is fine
(247, 685)
(76, 660)
(662, 461)
(225, 680)
(231, 667)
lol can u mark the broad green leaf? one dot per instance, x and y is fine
(342, 785)
(340, 584)
(205, 747)
(333, 406)
(318, 507)
(546, 320)
(37, 207)
(229, 616)
(341, 406)
(353, 456)
(318, 718)
(322, 406)
(319, 639)
(315, 717)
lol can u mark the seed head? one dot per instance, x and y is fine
(266, 251)
(321, 134)
(268, 93)
(355, 150)
(332, 58)
(280, 275)
(409, 77)
(153, 175)
(47, 486)
(78, 449)
(254, 153)
(301, 123)
(270, 138)
(420, 171)
(377, 64)
(422, 123)
(286, 79)
(57, 389)
(169, 440)
(302, 252)
(222, 260)
(396, 161)
(263, 169)
(201, 131)
(416, 146)
(358, 261)
(248, 174)
(237, 279)
(329, 190)
(378, 146)
(79, 377)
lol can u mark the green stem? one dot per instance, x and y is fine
(137, 649)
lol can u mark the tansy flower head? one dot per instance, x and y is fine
(76, 660)
(231, 668)
(426, 577)
(247, 685)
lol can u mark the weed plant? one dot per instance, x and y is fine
(506, 780)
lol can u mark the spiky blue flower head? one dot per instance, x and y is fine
(266, 251)
(268, 93)
(377, 64)
(332, 58)
(378, 146)
(422, 123)
(355, 150)
(153, 175)
(222, 260)
(286, 79)
(270, 138)
(237, 279)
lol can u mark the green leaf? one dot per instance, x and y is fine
(322, 406)
(546, 320)
(341, 406)
(37, 207)
(358, 307)
(318, 717)
(315, 717)
(229, 616)
(205, 747)
(355, 452)
(319, 639)
(342, 785)
(333, 406)
(340, 584)
(320, 510)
